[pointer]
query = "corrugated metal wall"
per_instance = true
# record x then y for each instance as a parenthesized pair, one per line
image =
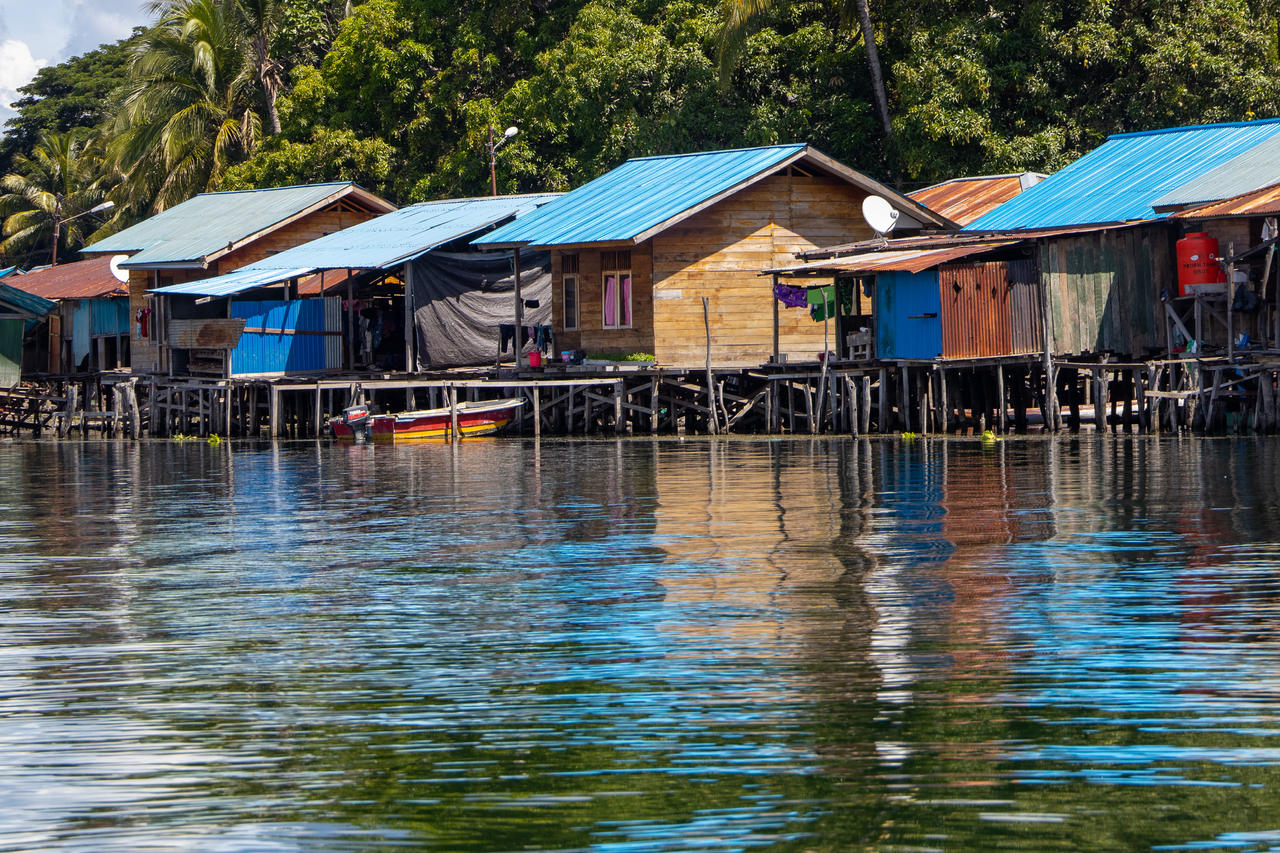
(907, 315)
(975, 310)
(10, 352)
(111, 316)
(1026, 310)
(1104, 288)
(287, 337)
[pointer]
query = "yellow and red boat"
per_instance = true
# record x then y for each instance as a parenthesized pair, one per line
(478, 418)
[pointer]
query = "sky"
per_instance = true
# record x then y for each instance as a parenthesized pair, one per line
(35, 33)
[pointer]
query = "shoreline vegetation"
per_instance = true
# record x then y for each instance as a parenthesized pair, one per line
(400, 95)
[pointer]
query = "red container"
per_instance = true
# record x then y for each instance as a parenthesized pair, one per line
(535, 358)
(1198, 267)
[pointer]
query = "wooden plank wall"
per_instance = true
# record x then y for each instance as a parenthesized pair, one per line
(719, 253)
(1104, 289)
(591, 335)
(145, 353)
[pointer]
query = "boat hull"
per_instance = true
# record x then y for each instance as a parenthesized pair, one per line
(473, 419)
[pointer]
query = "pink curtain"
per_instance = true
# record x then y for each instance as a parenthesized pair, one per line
(626, 299)
(610, 300)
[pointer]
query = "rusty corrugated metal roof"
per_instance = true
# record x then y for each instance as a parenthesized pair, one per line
(963, 200)
(91, 279)
(1262, 202)
(910, 260)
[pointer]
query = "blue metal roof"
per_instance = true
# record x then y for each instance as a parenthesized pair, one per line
(1256, 168)
(234, 282)
(404, 234)
(9, 271)
(639, 195)
(210, 222)
(1121, 179)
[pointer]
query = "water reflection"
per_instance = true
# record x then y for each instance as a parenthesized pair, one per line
(641, 645)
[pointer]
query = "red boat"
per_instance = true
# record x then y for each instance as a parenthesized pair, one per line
(483, 418)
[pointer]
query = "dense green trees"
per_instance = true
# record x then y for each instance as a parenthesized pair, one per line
(399, 95)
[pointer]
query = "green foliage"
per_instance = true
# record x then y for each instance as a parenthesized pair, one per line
(54, 187)
(330, 155)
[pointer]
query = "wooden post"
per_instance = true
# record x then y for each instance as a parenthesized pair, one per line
(883, 424)
(712, 418)
(410, 356)
(1231, 296)
(537, 412)
(273, 410)
(352, 331)
(519, 313)
(904, 405)
(653, 403)
(851, 392)
(617, 407)
(776, 349)
(1000, 401)
(453, 414)
(318, 412)
(866, 405)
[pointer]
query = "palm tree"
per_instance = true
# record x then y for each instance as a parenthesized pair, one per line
(258, 20)
(186, 112)
(47, 193)
(740, 14)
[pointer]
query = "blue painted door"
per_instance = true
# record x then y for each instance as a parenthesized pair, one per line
(908, 306)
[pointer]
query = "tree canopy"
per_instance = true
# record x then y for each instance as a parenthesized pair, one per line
(400, 95)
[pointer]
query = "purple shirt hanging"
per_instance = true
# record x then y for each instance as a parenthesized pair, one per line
(792, 297)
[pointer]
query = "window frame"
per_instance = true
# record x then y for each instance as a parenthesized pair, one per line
(618, 265)
(569, 274)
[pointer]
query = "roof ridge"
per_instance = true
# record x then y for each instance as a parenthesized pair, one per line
(1187, 127)
(287, 187)
(779, 147)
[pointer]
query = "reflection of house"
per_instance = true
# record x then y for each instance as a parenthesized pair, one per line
(458, 296)
(23, 335)
(636, 251)
(90, 330)
(213, 234)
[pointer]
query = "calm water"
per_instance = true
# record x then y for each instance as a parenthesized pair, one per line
(633, 646)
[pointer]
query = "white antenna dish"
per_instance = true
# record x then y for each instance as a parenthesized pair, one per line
(879, 214)
(120, 274)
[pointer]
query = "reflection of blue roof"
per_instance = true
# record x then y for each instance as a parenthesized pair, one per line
(1120, 180)
(648, 193)
(211, 223)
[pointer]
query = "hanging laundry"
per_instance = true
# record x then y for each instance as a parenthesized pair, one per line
(792, 297)
(822, 302)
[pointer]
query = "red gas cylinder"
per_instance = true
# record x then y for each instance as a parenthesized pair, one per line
(1198, 267)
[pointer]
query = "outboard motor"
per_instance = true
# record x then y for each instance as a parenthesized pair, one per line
(357, 417)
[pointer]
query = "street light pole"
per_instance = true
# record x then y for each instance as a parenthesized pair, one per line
(58, 220)
(493, 155)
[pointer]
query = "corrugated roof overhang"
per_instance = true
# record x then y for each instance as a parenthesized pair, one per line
(912, 260)
(233, 282)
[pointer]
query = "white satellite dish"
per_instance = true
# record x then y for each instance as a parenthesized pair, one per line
(879, 214)
(120, 274)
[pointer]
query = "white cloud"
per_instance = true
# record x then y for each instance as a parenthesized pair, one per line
(17, 67)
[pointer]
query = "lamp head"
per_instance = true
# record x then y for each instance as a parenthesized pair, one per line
(510, 132)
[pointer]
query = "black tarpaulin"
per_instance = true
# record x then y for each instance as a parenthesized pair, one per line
(460, 298)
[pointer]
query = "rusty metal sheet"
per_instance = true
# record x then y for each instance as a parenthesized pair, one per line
(216, 333)
(911, 261)
(1262, 202)
(966, 199)
(1026, 307)
(975, 310)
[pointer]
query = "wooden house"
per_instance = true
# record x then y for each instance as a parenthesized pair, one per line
(414, 292)
(211, 235)
(90, 330)
(1082, 263)
(663, 255)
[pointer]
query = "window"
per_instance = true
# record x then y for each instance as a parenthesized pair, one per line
(615, 278)
(569, 271)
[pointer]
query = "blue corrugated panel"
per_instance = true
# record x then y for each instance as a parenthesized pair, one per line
(110, 316)
(1254, 169)
(639, 195)
(25, 303)
(275, 350)
(1120, 180)
(404, 234)
(209, 222)
(908, 309)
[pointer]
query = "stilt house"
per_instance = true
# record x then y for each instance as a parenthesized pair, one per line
(661, 256)
(212, 234)
(90, 328)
